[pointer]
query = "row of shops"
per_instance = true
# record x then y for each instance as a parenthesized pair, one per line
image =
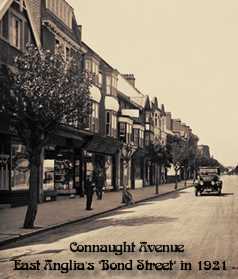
(66, 162)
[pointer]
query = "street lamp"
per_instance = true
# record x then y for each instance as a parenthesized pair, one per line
(127, 151)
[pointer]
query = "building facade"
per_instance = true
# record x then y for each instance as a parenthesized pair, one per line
(122, 116)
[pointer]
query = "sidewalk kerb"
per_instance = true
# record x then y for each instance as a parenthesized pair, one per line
(56, 226)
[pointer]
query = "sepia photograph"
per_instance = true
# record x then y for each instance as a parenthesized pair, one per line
(118, 140)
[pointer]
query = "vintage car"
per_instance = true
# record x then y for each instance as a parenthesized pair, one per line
(208, 180)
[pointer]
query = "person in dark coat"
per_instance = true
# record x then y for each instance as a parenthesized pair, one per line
(99, 182)
(89, 190)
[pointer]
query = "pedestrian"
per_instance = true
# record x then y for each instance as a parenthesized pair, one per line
(99, 183)
(89, 190)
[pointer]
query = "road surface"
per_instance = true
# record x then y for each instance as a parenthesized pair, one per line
(170, 237)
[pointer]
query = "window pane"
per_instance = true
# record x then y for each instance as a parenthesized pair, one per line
(5, 27)
(16, 32)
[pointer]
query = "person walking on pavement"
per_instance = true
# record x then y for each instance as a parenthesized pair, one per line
(89, 190)
(99, 181)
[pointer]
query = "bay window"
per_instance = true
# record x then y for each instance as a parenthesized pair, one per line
(111, 124)
(108, 85)
(122, 132)
(94, 118)
(111, 84)
(100, 81)
(136, 136)
(88, 65)
(125, 132)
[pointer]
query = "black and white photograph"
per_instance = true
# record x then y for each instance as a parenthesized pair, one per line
(118, 139)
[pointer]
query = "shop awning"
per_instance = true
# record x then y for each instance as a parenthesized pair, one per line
(95, 94)
(111, 103)
(70, 137)
(103, 145)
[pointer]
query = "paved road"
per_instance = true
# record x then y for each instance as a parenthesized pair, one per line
(206, 226)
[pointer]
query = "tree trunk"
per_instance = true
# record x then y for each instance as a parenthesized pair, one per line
(185, 177)
(176, 179)
(156, 179)
(33, 190)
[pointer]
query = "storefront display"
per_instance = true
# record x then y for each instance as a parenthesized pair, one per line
(48, 175)
(20, 173)
(64, 176)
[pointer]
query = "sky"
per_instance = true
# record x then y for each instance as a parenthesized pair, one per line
(185, 52)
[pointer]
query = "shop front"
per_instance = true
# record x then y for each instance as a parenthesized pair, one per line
(61, 171)
(104, 153)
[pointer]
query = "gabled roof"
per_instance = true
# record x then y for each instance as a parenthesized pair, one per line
(163, 109)
(4, 6)
(147, 103)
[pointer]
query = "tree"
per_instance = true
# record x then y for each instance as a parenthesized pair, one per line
(190, 152)
(45, 92)
(179, 155)
(160, 155)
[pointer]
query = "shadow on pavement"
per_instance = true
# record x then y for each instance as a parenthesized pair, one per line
(94, 223)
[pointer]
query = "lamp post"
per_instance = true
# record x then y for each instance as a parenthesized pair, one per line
(127, 151)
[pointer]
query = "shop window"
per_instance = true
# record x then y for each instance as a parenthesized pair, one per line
(20, 174)
(63, 176)
(48, 175)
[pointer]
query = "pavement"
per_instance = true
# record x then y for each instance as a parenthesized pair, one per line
(206, 227)
(64, 211)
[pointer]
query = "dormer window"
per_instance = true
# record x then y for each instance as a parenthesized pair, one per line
(62, 10)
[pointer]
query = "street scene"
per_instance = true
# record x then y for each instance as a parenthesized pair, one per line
(206, 226)
(118, 147)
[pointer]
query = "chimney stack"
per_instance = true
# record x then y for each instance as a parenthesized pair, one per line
(130, 78)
